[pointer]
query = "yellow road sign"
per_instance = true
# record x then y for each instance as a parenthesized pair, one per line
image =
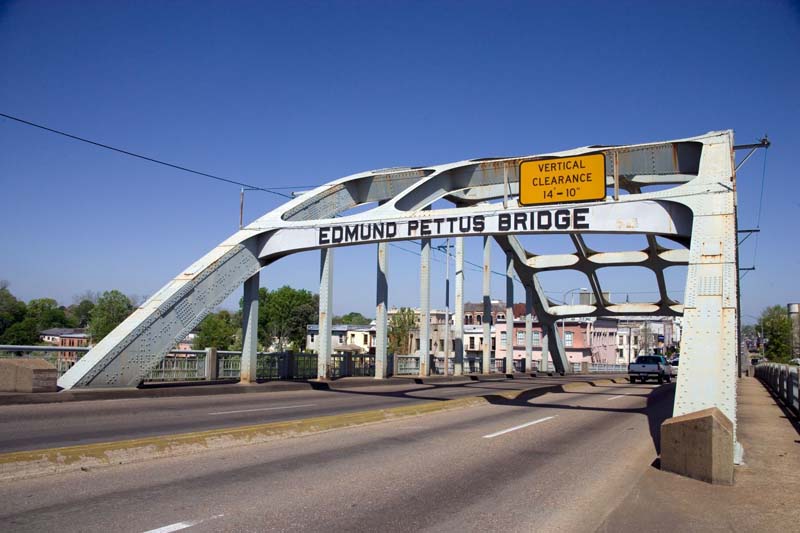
(562, 180)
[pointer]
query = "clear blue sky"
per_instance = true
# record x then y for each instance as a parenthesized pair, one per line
(298, 93)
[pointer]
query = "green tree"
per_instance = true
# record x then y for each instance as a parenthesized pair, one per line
(400, 327)
(112, 308)
(25, 332)
(47, 314)
(287, 311)
(305, 314)
(353, 318)
(217, 330)
(81, 312)
(11, 309)
(777, 332)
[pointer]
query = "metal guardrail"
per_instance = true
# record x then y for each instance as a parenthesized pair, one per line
(784, 382)
(607, 368)
(192, 365)
(406, 365)
(184, 365)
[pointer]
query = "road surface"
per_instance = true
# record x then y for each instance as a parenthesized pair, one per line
(559, 462)
(37, 426)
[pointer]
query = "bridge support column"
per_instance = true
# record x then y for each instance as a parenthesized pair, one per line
(458, 314)
(528, 328)
(381, 320)
(545, 342)
(509, 313)
(555, 348)
(425, 307)
(249, 365)
(487, 306)
(324, 347)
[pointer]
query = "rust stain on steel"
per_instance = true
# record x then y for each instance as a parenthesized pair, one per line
(627, 223)
(675, 157)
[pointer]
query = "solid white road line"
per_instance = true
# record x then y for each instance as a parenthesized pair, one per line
(615, 397)
(177, 526)
(509, 430)
(263, 409)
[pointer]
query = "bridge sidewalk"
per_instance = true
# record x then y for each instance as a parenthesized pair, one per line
(763, 498)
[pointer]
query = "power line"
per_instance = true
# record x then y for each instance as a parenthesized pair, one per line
(271, 190)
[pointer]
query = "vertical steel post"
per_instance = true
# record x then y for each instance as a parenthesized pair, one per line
(212, 365)
(324, 347)
(447, 309)
(545, 341)
(425, 306)
(381, 320)
(487, 305)
(249, 362)
(509, 313)
(528, 328)
(458, 317)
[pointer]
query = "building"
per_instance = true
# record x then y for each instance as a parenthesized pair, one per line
(345, 338)
(602, 340)
(187, 343)
(647, 335)
(585, 340)
(473, 312)
(66, 337)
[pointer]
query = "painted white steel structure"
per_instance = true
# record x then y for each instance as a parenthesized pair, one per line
(693, 207)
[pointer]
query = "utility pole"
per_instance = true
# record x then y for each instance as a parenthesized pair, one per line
(241, 204)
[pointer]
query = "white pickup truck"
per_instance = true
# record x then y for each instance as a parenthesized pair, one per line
(650, 366)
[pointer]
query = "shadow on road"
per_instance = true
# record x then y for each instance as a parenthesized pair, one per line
(659, 406)
(537, 385)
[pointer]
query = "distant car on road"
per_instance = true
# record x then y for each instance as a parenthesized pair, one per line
(674, 364)
(649, 367)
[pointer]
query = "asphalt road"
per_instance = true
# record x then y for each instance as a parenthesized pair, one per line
(559, 462)
(38, 426)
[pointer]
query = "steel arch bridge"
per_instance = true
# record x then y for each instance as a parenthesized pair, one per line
(693, 205)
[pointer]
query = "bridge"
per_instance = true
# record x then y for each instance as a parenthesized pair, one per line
(680, 195)
(692, 204)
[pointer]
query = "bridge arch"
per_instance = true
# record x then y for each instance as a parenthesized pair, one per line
(680, 191)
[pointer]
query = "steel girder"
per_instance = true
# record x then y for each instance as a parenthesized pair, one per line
(697, 211)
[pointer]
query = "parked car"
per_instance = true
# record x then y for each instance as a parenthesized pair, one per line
(650, 367)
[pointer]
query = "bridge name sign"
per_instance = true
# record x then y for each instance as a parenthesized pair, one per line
(505, 222)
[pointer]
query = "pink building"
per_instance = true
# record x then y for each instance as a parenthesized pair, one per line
(587, 340)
